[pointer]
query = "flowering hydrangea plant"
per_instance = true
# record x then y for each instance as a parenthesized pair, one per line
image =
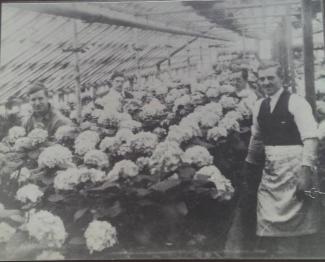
(100, 235)
(132, 125)
(111, 118)
(29, 193)
(65, 132)
(228, 102)
(143, 163)
(125, 168)
(94, 175)
(67, 179)
(216, 133)
(144, 143)
(213, 92)
(166, 158)
(223, 185)
(199, 87)
(16, 132)
(184, 101)
(46, 228)
(50, 255)
(173, 94)
(227, 89)
(229, 124)
(96, 158)
(55, 156)
(152, 110)
(198, 156)
(180, 133)
(23, 143)
(86, 141)
(38, 136)
(6, 232)
(234, 115)
(22, 175)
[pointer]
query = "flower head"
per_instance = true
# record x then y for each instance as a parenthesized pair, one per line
(38, 136)
(96, 158)
(16, 132)
(6, 232)
(29, 193)
(55, 156)
(100, 235)
(46, 227)
(198, 156)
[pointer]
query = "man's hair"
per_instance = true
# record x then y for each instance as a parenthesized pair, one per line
(36, 87)
(12, 101)
(272, 65)
(117, 74)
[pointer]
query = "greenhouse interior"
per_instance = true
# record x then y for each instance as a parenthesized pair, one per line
(126, 127)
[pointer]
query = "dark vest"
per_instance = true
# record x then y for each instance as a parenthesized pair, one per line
(278, 127)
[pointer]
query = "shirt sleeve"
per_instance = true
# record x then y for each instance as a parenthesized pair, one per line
(307, 126)
(255, 154)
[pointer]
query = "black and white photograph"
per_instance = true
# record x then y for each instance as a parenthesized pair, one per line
(162, 130)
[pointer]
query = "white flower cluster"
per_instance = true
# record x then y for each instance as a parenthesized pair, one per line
(198, 156)
(174, 94)
(22, 144)
(184, 101)
(50, 255)
(67, 179)
(16, 132)
(6, 232)
(143, 163)
(198, 98)
(87, 110)
(179, 134)
(213, 92)
(93, 175)
(86, 141)
(153, 110)
(22, 175)
(119, 145)
(100, 235)
(132, 125)
(64, 132)
(199, 87)
(96, 113)
(97, 158)
(166, 158)
(38, 136)
(209, 114)
(55, 156)
(125, 168)
(226, 89)
(144, 143)
(228, 102)
(234, 115)
(216, 133)
(223, 185)
(230, 124)
(29, 193)
(46, 228)
(111, 118)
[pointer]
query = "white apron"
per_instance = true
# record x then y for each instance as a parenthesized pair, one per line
(279, 212)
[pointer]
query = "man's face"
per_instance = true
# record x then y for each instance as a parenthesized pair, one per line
(118, 83)
(269, 81)
(39, 101)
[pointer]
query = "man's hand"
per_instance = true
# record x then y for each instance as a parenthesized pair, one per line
(305, 181)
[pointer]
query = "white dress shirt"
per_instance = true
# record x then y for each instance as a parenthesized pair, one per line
(304, 119)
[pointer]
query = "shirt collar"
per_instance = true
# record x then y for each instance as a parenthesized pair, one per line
(276, 95)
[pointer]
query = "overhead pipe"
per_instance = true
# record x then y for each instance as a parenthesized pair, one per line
(93, 14)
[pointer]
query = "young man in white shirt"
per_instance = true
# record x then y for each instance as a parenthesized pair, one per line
(285, 129)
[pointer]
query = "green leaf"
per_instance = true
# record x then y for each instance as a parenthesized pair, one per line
(107, 184)
(142, 191)
(55, 198)
(113, 211)
(182, 208)
(165, 185)
(79, 214)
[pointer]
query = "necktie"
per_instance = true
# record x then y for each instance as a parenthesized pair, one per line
(268, 105)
